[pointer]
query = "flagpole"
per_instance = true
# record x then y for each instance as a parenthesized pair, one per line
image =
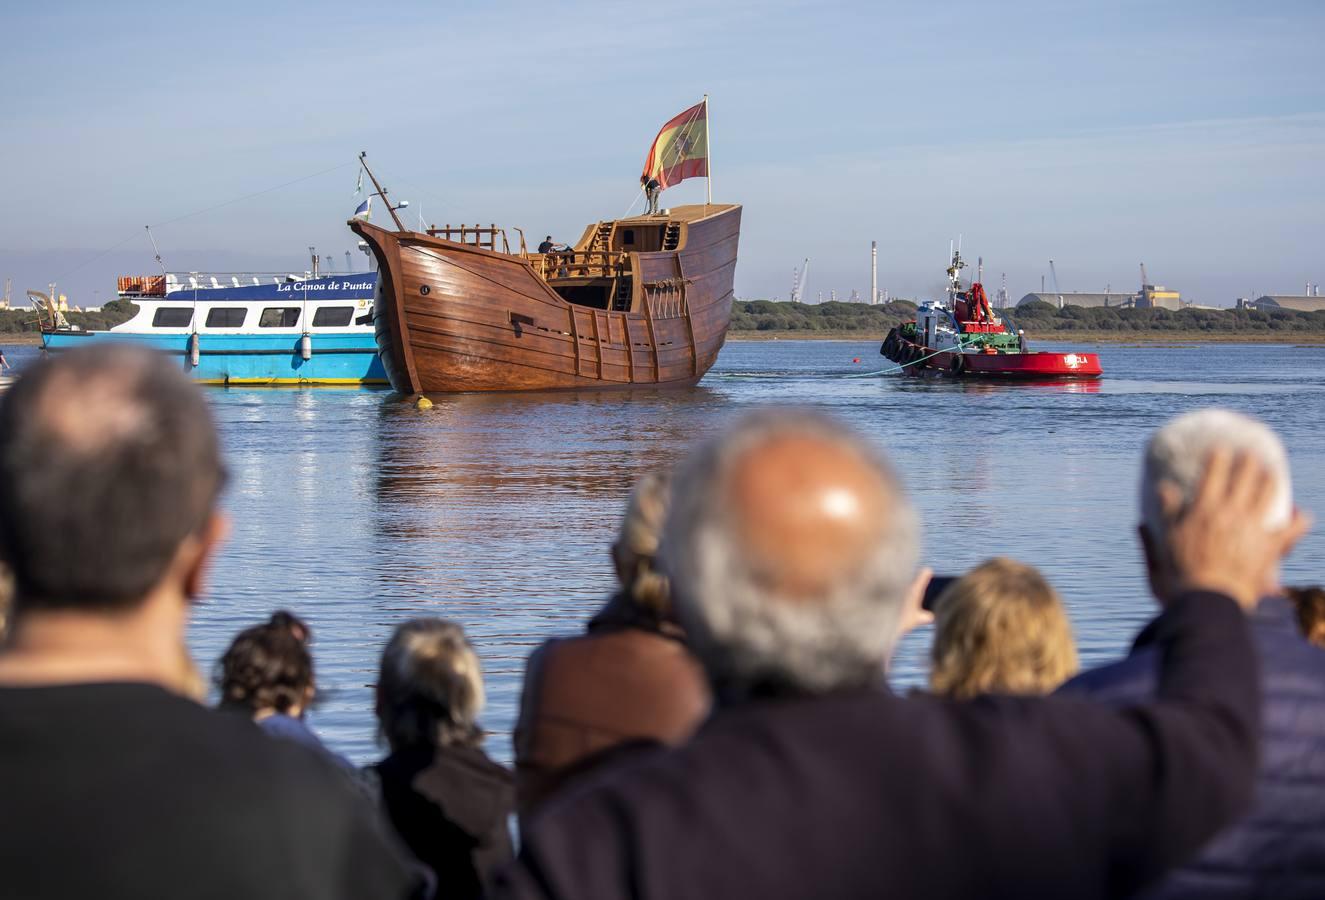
(708, 151)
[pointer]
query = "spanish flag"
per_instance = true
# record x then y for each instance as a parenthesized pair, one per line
(681, 149)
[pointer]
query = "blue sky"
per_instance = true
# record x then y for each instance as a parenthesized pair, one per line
(1188, 135)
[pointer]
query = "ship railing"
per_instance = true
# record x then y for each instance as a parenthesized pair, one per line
(581, 264)
(666, 298)
(161, 285)
(484, 237)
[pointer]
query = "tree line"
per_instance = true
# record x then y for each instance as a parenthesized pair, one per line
(1036, 317)
(115, 312)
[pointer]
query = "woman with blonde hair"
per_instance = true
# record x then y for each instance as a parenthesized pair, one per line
(1000, 629)
(629, 682)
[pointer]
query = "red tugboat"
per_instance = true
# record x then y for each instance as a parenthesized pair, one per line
(964, 338)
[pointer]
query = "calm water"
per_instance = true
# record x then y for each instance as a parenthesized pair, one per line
(356, 511)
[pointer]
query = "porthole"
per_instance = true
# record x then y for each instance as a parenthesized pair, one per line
(425, 290)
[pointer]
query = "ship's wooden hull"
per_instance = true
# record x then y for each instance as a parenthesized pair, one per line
(456, 317)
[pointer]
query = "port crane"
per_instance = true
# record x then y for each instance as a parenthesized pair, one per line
(798, 281)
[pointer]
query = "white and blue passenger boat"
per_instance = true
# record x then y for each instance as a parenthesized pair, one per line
(250, 329)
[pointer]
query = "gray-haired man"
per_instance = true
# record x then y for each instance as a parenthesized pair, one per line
(793, 552)
(1278, 848)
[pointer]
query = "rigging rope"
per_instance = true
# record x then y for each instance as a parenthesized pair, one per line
(902, 367)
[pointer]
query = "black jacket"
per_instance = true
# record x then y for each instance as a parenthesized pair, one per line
(451, 806)
(1278, 849)
(869, 794)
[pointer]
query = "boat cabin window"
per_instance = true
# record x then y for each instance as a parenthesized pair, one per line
(628, 236)
(226, 317)
(333, 316)
(279, 317)
(172, 317)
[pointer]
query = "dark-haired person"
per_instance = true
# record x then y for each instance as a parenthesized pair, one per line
(267, 674)
(446, 798)
(112, 784)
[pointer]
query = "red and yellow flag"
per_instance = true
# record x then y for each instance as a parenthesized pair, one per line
(681, 149)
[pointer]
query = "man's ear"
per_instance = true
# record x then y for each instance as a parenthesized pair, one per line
(206, 542)
(1156, 567)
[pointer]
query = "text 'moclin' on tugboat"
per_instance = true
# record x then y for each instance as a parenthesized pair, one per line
(963, 337)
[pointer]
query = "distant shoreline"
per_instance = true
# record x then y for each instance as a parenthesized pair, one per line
(1075, 337)
(33, 339)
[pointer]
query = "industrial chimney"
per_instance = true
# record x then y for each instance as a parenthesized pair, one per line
(874, 272)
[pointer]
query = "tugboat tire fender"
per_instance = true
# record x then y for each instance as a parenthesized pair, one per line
(957, 366)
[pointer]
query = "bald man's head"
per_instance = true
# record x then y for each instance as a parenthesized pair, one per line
(108, 461)
(791, 547)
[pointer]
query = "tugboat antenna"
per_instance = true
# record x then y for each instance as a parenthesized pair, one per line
(363, 160)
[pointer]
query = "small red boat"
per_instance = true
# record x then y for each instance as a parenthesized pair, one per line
(965, 338)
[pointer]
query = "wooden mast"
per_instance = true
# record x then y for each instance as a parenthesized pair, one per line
(363, 161)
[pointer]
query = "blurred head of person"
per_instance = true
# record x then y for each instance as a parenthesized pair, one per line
(1000, 629)
(1175, 460)
(110, 471)
(1309, 603)
(268, 669)
(429, 688)
(792, 551)
(635, 551)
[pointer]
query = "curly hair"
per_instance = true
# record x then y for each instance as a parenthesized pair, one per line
(268, 666)
(1000, 629)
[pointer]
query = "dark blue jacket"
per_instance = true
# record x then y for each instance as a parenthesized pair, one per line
(865, 794)
(1278, 849)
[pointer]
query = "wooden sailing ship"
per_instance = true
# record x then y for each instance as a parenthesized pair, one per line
(640, 301)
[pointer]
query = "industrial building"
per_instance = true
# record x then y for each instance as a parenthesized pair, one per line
(1299, 302)
(1156, 296)
(1151, 296)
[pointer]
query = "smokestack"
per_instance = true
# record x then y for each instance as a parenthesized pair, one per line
(874, 272)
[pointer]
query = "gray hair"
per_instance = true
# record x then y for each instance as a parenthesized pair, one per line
(1178, 453)
(430, 687)
(748, 637)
